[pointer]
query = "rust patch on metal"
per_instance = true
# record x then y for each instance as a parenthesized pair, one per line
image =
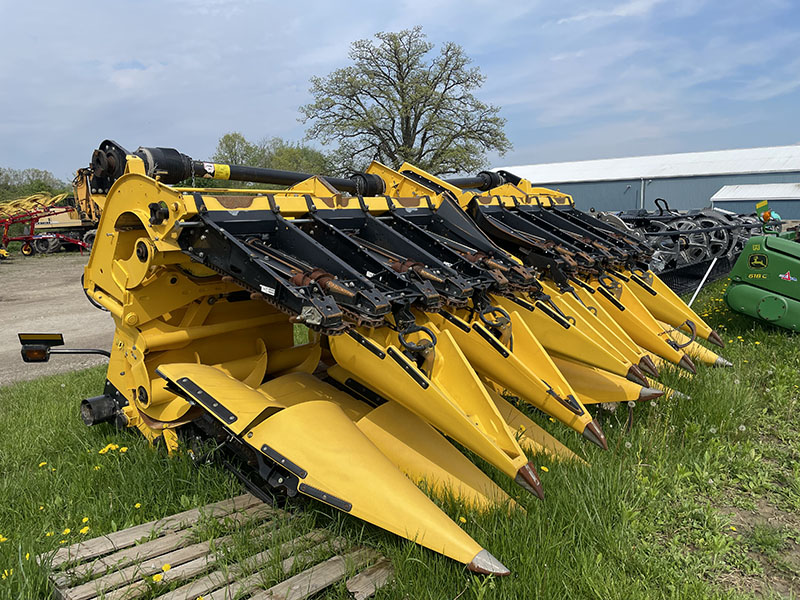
(409, 202)
(235, 202)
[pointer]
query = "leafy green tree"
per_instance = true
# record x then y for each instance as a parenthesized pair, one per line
(294, 156)
(272, 153)
(233, 148)
(18, 183)
(396, 104)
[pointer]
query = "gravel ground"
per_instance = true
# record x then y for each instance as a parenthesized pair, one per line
(43, 294)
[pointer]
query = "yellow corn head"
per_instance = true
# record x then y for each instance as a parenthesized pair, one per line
(427, 304)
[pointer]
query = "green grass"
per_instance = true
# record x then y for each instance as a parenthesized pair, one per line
(649, 519)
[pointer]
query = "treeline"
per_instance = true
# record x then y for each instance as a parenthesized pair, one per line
(271, 153)
(18, 183)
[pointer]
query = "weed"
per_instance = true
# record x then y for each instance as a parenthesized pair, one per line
(645, 521)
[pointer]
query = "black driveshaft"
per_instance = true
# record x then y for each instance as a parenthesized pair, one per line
(362, 184)
(171, 166)
(485, 180)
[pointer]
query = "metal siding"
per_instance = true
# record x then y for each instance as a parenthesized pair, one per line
(688, 164)
(787, 209)
(758, 191)
(603, 195)
(681, 193)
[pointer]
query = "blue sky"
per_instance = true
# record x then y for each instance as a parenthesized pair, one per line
(576, 80)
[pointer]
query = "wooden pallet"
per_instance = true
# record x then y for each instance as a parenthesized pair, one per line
(132, 563)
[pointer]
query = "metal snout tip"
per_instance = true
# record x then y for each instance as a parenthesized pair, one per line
(687, 364)
(714, 338)
(647, 393)
(594, 434)
(528, 478)
(647, 365)
(722, 362)
(636, 376)
(486, 564)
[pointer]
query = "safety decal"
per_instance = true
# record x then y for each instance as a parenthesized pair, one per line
(787, 276)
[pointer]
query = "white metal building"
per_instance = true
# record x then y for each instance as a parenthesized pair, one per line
(686, 180)
(782, 197)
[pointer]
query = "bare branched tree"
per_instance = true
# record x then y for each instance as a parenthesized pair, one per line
(395, 104)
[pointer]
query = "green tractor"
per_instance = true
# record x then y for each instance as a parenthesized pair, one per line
(765, 281)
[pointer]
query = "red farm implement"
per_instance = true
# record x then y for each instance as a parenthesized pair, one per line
(28, 212)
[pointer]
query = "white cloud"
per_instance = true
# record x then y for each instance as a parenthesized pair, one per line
(632, 8)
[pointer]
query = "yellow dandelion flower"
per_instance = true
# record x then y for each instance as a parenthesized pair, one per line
(114, 446)
(41, 507)
(53, 469)
(157, 577)
(462, 519)
(545, 469)
(552, 420)
(3, 539)
(97, 467)
(49, 534)
(66, 531)
(733, 528)
(27, 556)
(43, 464)
(85, 530)
(137, 505)
(757, 343)
(123, 449)
(166, 567)
(63, 542)
(85, 520)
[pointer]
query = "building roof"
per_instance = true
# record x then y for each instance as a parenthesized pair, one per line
(760, 191)
(775, 159)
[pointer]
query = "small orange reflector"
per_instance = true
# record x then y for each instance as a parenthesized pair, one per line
(38, 353)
